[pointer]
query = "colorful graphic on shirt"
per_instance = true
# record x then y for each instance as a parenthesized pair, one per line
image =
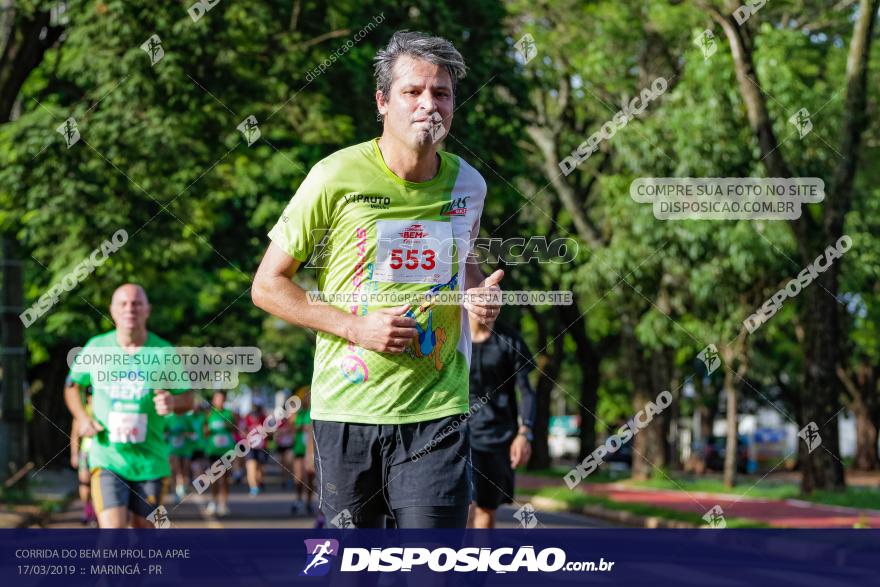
(430, 340)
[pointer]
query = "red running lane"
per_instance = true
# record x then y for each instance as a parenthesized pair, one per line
(777, 513)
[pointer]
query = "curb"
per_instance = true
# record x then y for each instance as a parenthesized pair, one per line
(617, 516)
(18, 520)
(802, 503)
(31, 515)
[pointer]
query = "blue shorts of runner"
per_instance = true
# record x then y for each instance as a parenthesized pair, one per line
(493, 477)
(417, 474)
(109, 490)
(261, 455)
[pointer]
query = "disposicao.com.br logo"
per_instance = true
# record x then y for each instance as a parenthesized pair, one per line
(318, 552)
(442, 559)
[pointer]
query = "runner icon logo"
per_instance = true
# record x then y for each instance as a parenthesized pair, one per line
(159, 517)
(710, 358)
(250, 129)
(802, 122)
(437, 130)
(810, 435)
(318, 551)
(69, 131)
(526, 516)
(153, 48)
(706, 43)
(715, 518)
(343, 519)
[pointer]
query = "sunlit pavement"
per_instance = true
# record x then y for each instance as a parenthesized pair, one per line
(272, 509)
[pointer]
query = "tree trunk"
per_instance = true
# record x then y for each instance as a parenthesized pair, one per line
(866, 439)
(732, 429)
(50, 428)
(13, 446)
(656, 431)
(24, 39)
(641, 382)
(588, 359)
(708, 411)
(865, 405)
(822, 468)
(549, 363)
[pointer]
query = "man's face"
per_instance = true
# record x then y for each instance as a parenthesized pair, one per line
(418, 108)
(130, 308)
(217, 400)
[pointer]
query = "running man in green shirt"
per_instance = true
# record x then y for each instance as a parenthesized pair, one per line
(303, 475)
(128, 455)
(219, 438)
(177, 431)
(394, 216)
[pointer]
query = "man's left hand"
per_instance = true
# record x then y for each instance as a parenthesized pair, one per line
(520, 451)
(485, 310)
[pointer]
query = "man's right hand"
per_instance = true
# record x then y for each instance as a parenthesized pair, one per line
(89, 427)
(385, 331)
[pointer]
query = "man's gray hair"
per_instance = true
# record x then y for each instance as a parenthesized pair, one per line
(435, 50)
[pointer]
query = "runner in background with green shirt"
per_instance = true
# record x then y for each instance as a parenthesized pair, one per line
(177, 433)
(397, 216)
(303, 476)
(128, 453)
(198, 443)
(219, 429)
(284, 441)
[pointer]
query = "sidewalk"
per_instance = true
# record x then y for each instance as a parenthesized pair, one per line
(789, 513)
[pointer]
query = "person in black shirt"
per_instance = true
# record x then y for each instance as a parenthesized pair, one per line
(500, 438)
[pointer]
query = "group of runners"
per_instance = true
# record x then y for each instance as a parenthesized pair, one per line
(414, 420)
(192, 441)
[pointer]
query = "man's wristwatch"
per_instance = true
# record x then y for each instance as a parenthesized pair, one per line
(527, 432)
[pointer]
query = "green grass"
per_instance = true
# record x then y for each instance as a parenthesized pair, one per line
(575, 501)
(24, 496)
(767, 490)
(15, 496)
(855, 497)
(600, 476)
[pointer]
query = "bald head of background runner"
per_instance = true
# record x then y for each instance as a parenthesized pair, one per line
(130, 310)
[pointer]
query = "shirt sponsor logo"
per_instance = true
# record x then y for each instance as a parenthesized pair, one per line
(413, 231)
(457, 207)
(374, 201)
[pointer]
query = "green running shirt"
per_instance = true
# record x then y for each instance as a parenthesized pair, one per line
(177, 431)
(133, 443)
(221, 424)
(378, 234)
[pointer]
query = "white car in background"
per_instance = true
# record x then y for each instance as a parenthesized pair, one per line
(564, 437)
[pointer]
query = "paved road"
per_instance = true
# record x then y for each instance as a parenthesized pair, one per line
(272, 509)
